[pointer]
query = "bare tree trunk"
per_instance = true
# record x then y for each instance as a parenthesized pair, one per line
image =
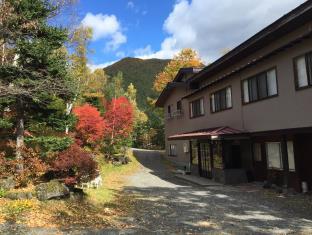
(20, 132)
(69, 107)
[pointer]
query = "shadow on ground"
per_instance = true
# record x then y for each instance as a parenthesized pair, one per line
(164, 204)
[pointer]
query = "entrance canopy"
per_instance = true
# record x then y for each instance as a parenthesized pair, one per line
(211, 133)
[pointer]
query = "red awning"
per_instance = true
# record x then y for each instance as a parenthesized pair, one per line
(206, 133)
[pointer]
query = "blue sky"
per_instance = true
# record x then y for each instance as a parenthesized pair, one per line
(160, 28)
(141, 22)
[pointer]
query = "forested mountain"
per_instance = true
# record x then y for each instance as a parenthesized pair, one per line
(141, 73)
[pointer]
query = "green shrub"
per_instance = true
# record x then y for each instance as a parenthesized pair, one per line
(5, 123)
(2, 192)
(49, 144)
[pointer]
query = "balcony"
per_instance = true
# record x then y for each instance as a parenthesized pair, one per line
(175, 114)
(178, 113)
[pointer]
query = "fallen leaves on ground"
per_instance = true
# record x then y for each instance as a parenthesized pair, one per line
(93, 211)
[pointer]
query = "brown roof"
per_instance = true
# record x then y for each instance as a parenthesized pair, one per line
(252, 63)
(206, 133)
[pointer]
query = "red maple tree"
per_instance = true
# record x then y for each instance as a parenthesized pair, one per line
(90, 125)
(118, 119)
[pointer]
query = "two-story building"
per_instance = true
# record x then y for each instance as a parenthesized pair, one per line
(248, 115)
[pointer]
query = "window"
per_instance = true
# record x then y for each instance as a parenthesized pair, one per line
(257, 152)
(197, 108)
(303, 70)
(290, 153)
(274, 155)
(259, 87)
(172, 150)
(221, 100)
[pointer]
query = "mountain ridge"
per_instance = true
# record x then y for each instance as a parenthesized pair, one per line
(140, 72)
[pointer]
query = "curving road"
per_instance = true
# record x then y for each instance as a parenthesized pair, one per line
(166, 205)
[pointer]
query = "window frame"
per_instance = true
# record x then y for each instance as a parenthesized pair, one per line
(219, 92)
(170, 150)
(267, 88)
(191, 111)
(293, 156)
(297, 88)
(281, 168)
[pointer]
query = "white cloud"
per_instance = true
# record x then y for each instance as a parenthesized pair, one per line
(167, 50)
(105, 27)
(130, 4)
(120, 54)
(93, 67)
(117, 39)
(210, 26)
(143, 51)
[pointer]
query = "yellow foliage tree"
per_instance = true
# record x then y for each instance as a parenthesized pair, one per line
(80, 40)
(139, 116)
(185, 58)
(95, 84)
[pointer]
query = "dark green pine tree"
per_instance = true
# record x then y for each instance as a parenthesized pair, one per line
(38, 74)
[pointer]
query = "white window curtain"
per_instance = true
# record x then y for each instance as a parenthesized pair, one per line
(228, 97)
(186, 147)
(271, 81)
(202, 106)
(213, 105)
(274, 155)
(246, 91)
(172, 150)
(302, 77)
(290, 153)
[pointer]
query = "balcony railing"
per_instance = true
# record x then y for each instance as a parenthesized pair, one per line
(169, 116)
(177, 113)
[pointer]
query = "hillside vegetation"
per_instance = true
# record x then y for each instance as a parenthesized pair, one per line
(141, 73)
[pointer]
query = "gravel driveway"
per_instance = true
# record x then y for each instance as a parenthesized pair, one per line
(166, 204)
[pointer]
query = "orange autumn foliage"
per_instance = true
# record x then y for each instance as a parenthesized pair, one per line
(186, 58)
(90, 126)
(118, 119)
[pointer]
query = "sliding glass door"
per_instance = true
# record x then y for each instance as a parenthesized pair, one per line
(205, 160)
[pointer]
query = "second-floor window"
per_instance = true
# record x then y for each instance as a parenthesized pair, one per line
(259, 87)
(197, 108)
(303, 70)
(221, 100)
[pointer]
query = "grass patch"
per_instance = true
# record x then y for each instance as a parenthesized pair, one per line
(113, 179)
